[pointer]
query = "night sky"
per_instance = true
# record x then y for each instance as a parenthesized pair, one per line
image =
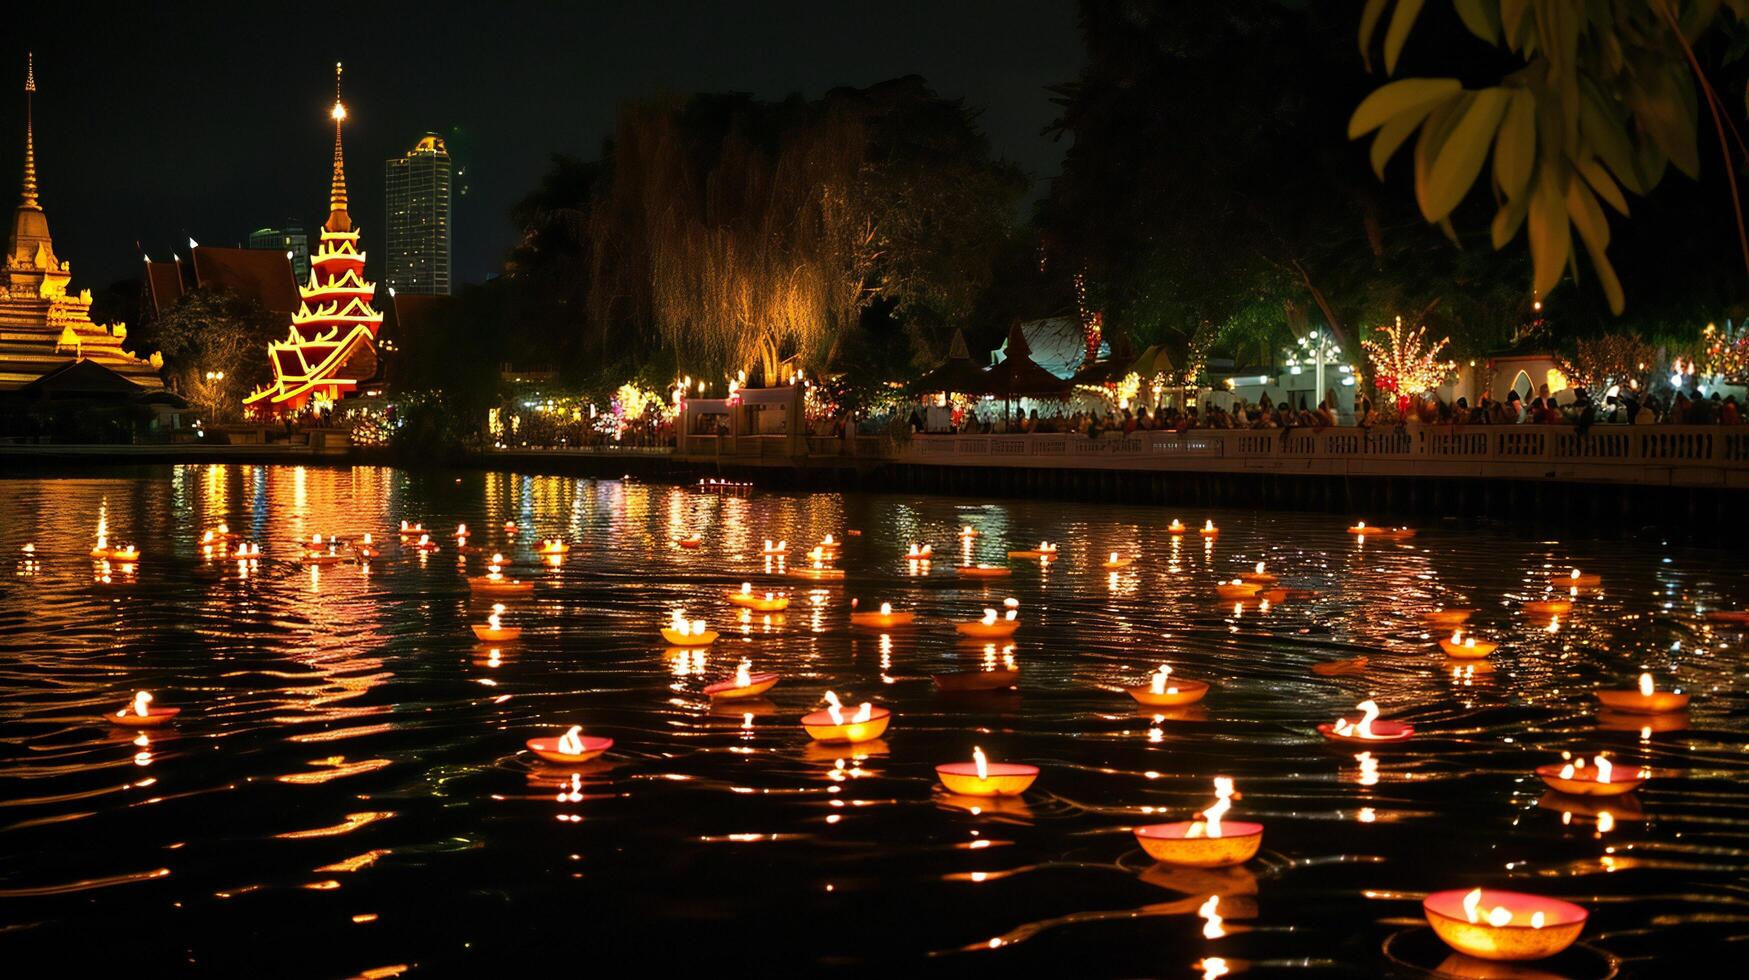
(155, 122)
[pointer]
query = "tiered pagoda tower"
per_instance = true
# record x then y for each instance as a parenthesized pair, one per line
(331, 349)
(43, 328)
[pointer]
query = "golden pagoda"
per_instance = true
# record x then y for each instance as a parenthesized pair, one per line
(331, 349)
(42, 326)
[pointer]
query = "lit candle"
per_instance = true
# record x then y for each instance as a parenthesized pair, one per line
(919, 552)
(1162, 691)
(982, 570)
(1461, 647)
(1116, 561)
(887, 618)
(1257, 576)
(775, 548)
(1368, 729)
(745, 684)
(554, 546)
(1237, 589)
(493, 629)
(830, 725)
(1645, 700)
(994, 625)
(1209, 842)
(1209, 530)
(746, 598)
(682, 633)
(1598, 779)
(981, 777)
(140, 713)
(690, 541)
(570, 748)
(1176, 527)
(1500, 925)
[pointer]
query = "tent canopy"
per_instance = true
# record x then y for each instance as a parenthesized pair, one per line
(958, 373)
(1019, 374)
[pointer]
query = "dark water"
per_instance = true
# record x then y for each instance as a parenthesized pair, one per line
(345, 790)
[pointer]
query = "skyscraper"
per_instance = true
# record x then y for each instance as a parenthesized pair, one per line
(289, 239)
(417, 192)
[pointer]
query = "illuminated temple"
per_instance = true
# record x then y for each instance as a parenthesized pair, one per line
(43, 328)
(331, 348)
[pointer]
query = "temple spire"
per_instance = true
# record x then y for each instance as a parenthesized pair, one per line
(338, 219)
(27, 198)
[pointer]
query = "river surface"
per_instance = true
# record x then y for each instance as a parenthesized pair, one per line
(346, 791)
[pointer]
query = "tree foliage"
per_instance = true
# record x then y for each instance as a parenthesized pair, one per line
(214, 344)
(1605, 101)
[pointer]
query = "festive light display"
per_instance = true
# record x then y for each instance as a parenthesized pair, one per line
(1604, 362)
(1725, 353)
(1404, 364)
(331, 348)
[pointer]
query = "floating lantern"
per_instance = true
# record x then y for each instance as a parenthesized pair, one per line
(1368, 730)
(993, 626)
(1576, 579)
(985, 571)
(126, 552)
(493, 630)
(1499, 925)
(1600, 778)
(571, 747)
(141, 714)
(1448, 617)
(365, 549)
(509, 527)
(1237, 589)
(968, 532)
(1361, 529)
(830, 725)
(1461, 647)
(748, 599)
(461, 532)
(1115, 561)
(919, 552)
(495, 582)
(1548, 607)
(743, 685)
(329, 557)
(688, 634)
(1280, 595)
(28, 549)
(690, 541)
(411, 530)
(1176, 527)
(1257, 576)
(1163, 692)
(886, 618)
(775, 548)
(1646, 700)
(1335, 668)
(554, 546)
(1208, 529)
(425, 544)
(1045, 550)
(980, 777)
(1206, 843)
(828, 544)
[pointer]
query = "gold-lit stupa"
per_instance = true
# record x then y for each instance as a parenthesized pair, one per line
(43, 328)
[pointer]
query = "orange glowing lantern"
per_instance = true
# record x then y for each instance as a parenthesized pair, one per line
(510, 527)
(570, 748)
(1600, 778)
(1368, 730)
(461, 533)
(886, 618)
(682, 633)
(1115, 561)
(1237, 589)
(743, 685)
(690, 541)
(981, 777)
(495, 582)
(1162, 691)
(748, 599)
(1516, 927)
(554, 546)
(993, 626)
(1206, 843)
(1208, 529)
(493, 629)
(1461, 647)
(830, 725)
(968, 532)
(426, 544)
(775, 547)
(140, 713)
(412, 530)
(1176, 527)
(1045, 550)
(1548, 607)
(1576, 579)
(125, 553)
(1448, 617)
(985, 571)
(1646, 700)
(1257, 576)
(366, 548)
(919, 552)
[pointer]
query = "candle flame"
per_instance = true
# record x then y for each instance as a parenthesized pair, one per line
(141, 700)
(1212, 928)
(886, 609)
(569, 743)
(864, 712)
(835, 708)
(1604, 769)
(1500, 916)
(1157, 684)
(1213, 968)
(743, 674)
(1645, 685)
(1113, 558)
(1260, 568)
(1370, 713)
(982, 763)
(1208, 525)
(746, 588)
(1536, 918)
(1210, 824)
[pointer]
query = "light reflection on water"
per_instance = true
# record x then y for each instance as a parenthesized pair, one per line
(348, 764)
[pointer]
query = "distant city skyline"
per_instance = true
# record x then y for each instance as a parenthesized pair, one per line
(416, 219)
(290, 238)
(217, 144)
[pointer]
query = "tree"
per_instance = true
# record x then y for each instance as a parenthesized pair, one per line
(215, 349)
(1605, 102)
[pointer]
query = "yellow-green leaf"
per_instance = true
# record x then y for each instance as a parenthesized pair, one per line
(1606, 136)
(1551, 241)
(1482, 17)
(1507, 221)
(1432, 138)
(1511, 16)
(1593, 228)
(1394, 98)
(1460, 158)
(1515, 147)
(1600, 182)
(1402, 21)
(1369, 23)
(1385, 144)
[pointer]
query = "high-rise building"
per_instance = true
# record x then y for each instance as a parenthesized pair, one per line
(331, 349)
(416, 188)
(291, 240)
